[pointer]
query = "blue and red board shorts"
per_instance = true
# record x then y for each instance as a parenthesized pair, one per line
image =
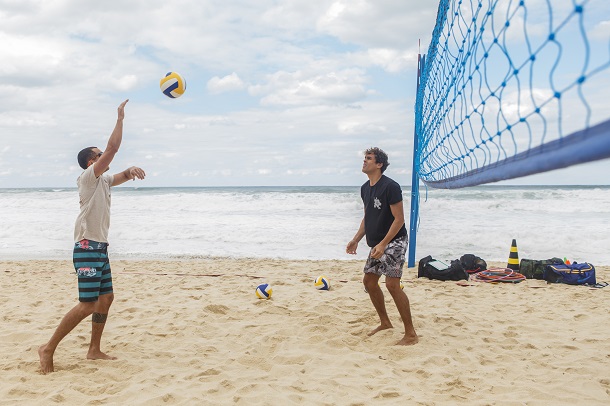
(92, 266)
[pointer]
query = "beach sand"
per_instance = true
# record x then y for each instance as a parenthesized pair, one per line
(193, 332)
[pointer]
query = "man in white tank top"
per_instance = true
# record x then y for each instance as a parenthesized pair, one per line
(91, 245)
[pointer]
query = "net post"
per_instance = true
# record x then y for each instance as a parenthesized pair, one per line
(414, 213)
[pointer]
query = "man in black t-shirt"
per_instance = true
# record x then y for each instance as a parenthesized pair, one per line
(384, 227)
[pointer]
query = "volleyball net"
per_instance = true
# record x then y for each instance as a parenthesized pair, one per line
(512, 88)
(509, 89)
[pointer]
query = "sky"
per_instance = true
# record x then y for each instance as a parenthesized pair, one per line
(279, 92)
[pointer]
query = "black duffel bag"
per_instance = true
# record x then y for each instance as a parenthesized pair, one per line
(433, 269)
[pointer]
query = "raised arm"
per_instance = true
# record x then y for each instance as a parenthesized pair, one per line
(128, 174)
(114, 142)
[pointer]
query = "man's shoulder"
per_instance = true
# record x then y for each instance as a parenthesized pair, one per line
(88, 179)
(389, 181)
(85, 176)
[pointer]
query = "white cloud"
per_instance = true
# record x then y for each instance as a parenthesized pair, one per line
(227, 83)
(356, 127)
(312, 88)
(324, 80)
(601, 31)
(124, 83)
(26, 119)
(379, 23)
(193, 174)
(392, 60)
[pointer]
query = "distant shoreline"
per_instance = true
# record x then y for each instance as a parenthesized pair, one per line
(288, 187)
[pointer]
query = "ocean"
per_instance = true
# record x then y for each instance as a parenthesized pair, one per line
(312, 222)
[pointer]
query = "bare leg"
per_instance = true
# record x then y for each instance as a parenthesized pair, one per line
(404, 308)
(77, 314)
(371, 284)
(98, 322)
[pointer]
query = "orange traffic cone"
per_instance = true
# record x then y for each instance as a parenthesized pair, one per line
(513, 257)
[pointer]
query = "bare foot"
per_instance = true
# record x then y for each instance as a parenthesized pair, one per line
(99, 355)
(381, 327)
(408, 340)
(46, 359)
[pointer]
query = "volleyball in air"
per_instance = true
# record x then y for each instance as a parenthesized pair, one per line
(322, 283)
(173, 85)
(264, 291)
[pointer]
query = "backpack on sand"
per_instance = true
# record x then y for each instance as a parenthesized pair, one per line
(534, 269)
(431, 268)
(473, 264)
(573, 274)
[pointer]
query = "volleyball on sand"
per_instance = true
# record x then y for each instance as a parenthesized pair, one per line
(322, 283)
(264, 291)
(173, 85)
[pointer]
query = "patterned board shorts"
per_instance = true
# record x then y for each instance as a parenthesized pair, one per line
(92, 266)
(391, 262)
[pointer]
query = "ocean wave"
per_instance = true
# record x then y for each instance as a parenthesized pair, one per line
(312, 223)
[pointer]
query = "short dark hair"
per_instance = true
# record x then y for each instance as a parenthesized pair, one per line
(380, 157)
(85, 156)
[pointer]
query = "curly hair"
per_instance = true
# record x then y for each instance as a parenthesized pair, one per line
(380, 157)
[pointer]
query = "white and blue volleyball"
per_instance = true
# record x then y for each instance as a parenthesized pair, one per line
(173, 85)
(322, 283)
(264, 291)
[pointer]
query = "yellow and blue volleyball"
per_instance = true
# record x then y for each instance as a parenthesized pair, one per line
(322, 283)
(173, 85)
(264, 291)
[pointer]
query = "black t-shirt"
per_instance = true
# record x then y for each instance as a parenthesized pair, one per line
(378, 216)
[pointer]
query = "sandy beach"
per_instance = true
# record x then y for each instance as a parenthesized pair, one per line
(193, 332)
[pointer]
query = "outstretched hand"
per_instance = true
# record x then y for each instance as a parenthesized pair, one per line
(121, 110)
(135, 172)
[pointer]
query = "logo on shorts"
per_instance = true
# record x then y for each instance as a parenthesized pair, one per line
(84, 245)
(87, 272)
(377, 204)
